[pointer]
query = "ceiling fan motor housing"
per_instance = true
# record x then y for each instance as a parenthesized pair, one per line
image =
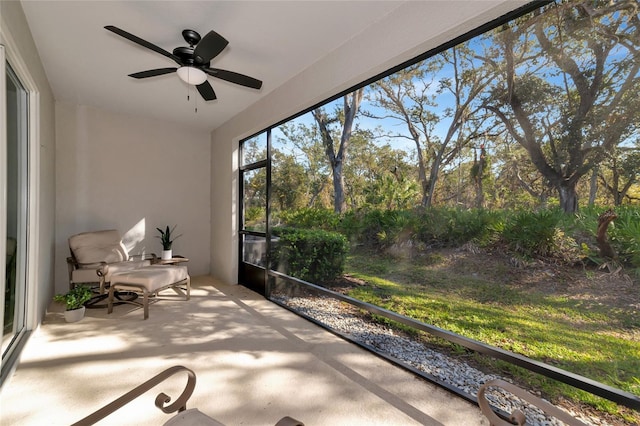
(186, 56)
(191, 37)
(186, 53)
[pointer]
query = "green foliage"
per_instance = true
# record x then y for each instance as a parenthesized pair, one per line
(532, 233)
(255, 218)
(312, 255)
(390, 192)
(624, 233)
(166, 237)
(452, 227)
(254, 150)
(351, 225)
(590, 339)
(582, 226)
(75, 298)
(289, 182)
(380, 229)
(620, 171)
(480, 303)
(542, 233)
(311, 218)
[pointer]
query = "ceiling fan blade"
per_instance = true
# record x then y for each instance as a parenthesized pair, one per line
(142, 42)
(234, 77)
(152, 73)
(209, 47)
(206, 91)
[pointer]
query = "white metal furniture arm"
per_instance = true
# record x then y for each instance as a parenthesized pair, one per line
(161, 400)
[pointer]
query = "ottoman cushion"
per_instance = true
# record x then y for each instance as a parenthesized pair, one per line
(150, 277)
(150, 280)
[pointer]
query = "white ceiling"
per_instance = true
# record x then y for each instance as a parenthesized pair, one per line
(270, 40)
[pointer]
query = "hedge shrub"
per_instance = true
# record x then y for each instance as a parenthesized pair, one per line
(452, 227)
(311, 218)
(532, 233)
(312, 255)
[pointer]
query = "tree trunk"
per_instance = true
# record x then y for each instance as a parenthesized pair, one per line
(568, 198)
(336, 158)
(479, 177)
(422, 177)
(431, 183)
(338, 188)
(604, 220)
(593, 186)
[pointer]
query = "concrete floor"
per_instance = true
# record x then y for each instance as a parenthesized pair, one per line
(255, 363)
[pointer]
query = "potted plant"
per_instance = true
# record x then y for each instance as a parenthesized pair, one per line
(74, 302)
(167, 239)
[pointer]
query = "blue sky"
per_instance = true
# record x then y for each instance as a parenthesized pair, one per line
(390, 125)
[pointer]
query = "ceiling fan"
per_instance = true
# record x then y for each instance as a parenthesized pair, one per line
(193, 61)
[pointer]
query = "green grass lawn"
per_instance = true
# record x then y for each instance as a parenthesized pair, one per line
(577, 333)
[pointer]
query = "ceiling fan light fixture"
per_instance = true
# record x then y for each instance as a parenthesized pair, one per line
(191, 75)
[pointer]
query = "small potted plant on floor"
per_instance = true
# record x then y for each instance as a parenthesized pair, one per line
(167, 239)
(74, 302)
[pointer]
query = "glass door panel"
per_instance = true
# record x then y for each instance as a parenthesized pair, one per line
(254, 250)
(254, 187)
(13, 321)
(255, 200)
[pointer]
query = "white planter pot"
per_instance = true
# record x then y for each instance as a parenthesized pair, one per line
(167, 254)
(74, 315)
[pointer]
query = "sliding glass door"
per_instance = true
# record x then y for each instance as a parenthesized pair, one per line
(16, 178)
(254, 184)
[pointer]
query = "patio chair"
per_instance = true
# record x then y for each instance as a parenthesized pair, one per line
(184, 417)
(96, 256)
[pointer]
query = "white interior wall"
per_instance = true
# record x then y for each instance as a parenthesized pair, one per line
(224, 202)
(132, 174)
(410, 30)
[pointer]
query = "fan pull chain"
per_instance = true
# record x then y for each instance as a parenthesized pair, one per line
(189, 92)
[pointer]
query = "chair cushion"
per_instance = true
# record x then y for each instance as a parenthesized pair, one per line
(98, 246)
(150, 277)
(192, 417)
(84, 276)
(89, 275)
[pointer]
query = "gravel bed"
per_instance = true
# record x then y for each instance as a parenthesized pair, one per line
(454, 372)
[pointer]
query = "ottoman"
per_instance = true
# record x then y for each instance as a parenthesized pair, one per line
(149, 280)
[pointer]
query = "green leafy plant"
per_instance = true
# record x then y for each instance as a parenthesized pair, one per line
(166, 237)
(312, 255)
(452, 227)
(532, 233)
(311, 218)
(75, 298)
(624, 233)
(380, 229)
